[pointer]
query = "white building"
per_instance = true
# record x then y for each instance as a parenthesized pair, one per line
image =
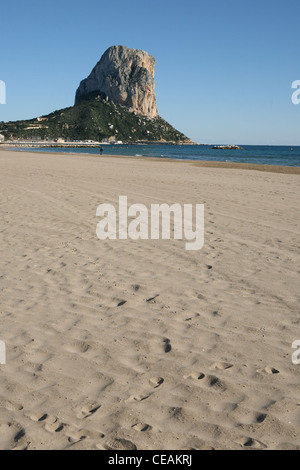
(1, 138)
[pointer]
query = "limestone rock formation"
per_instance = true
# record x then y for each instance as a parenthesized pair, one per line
(124, 76)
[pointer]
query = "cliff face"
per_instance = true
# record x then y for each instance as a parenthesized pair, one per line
(126, 77)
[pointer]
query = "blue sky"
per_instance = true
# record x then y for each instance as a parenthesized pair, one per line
(224, 68)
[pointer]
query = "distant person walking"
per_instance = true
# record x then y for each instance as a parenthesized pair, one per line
(101, 150)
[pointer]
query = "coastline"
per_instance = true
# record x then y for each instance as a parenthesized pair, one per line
(122, 344)
(198, 163)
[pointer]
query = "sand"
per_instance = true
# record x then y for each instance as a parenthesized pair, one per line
(123, 344)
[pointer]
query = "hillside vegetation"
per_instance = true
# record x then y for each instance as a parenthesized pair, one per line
(94, 118)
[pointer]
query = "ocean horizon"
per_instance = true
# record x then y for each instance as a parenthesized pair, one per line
(253, 154)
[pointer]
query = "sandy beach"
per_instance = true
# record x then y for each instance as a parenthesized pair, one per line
(122, 344)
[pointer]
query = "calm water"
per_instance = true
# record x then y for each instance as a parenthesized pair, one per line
(267, 155)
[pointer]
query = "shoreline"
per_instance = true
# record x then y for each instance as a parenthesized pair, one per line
(199, 163)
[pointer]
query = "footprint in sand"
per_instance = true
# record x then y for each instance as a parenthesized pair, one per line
(252, 418)
(191, 318)
(224, 406)
(75, 440)
(216, 313)
(215, 383)
(133, 398)
(260, 418)
(22, 447)
(38, 417)
(201, 297)
(77, 347)
(11, 406)
(167, 345)
(10, 434)
(249, 442)
(156, 381)
(141, 427)
(119, 444)
(76, 435)
(152, 299)
(221, 366)
(52, 424)
(43, 418)
(268, 370)
(88, 410)
(195, 376)
(208, 380)
(136, 287)
(19, 435)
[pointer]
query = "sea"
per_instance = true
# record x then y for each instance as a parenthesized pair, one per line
(257, 154)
